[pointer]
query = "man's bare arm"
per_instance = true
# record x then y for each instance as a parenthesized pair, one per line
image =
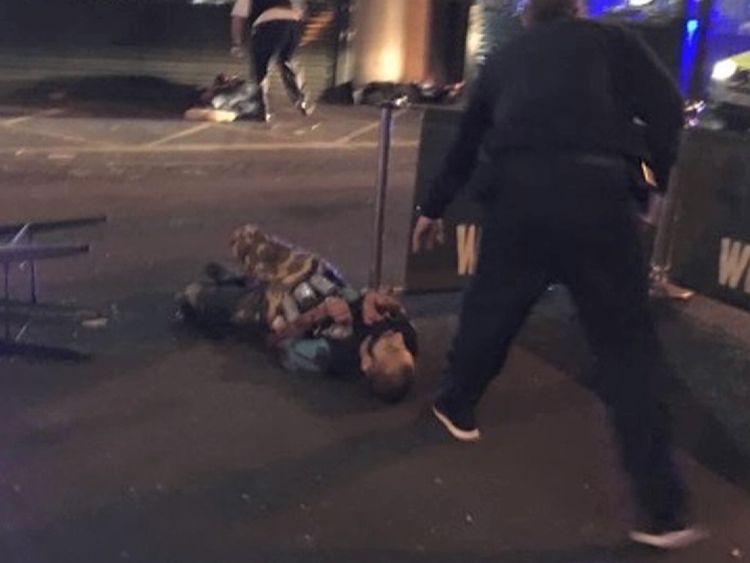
(238, 27)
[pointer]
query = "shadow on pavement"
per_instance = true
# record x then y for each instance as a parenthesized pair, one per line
(113, 96)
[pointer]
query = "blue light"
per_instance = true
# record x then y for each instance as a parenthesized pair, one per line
(691, 27)
(689, 54)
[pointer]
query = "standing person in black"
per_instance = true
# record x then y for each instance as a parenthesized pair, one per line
(548, 143)
(276, 31)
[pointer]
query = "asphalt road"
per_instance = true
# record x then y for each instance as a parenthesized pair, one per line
(166, 447)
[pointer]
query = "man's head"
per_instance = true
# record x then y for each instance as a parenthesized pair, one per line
(543, 11)
(388, 365)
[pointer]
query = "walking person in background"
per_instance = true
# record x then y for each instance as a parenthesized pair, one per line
(275, 33)
(551, 144)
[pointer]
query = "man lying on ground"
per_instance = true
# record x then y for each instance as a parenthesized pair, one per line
(307, 315)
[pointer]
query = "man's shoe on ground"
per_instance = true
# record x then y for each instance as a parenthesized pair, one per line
(669, 539)
(305, 108)
(462, 426)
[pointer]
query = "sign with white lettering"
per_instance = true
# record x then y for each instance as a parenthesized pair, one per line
(712, 231)
(448, 267)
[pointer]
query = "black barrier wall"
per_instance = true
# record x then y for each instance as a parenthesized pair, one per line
(450, 266)
(711, 248)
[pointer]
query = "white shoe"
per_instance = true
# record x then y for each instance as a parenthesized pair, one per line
(674, 539)
(463, 435)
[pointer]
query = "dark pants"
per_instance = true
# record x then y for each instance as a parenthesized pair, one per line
(278, 40)
(570, 219)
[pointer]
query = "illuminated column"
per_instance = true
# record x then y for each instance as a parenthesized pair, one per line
(418, 23)
(391, 40)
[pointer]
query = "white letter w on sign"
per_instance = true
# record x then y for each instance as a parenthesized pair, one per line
(733, 262)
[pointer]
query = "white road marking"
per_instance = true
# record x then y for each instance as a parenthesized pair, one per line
(358, 133)
(15, 120)
(178, 135)
(260, 147)
(23, 118)
(51, 134)
(366, 129)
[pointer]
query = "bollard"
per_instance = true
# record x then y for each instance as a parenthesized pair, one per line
(384, 152)
(661, 257)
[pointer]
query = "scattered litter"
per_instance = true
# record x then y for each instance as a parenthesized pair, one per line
(421, 548)
(20, 152)
(438, 481)
(96, 323)
(245, 497)
(737, 553)
(308, 539)
(304, 507)
(469, 519)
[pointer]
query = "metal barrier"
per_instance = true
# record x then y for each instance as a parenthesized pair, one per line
(21, 249)
(710, 244)
(661, 257)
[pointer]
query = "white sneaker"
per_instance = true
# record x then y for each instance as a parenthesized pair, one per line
(469, 434)
(673, 539)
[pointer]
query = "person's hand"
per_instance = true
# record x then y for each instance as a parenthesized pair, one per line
(338, 311)
(427, 234)
(237, 51)
(376, 306)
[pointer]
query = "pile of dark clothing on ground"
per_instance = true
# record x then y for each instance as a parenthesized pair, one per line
(229, 98)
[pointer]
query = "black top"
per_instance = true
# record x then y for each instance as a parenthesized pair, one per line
(569, 85)
(344, 357)
(260, 6)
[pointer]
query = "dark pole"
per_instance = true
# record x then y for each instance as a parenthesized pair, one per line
(697, 83)
(384, 152)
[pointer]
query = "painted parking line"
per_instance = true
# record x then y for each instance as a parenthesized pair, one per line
(365, 129)
(17, 120)
(179, 135)
(357, 133)
(23, 118)
(49, 134)
(166, 149)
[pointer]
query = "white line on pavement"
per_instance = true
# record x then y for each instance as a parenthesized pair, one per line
(15, 120)
(366, 129)
(358, 133)
(52, 135)
(23, 118)
(178, 135)
(260, 147)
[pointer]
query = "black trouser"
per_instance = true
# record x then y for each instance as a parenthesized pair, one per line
(570, 219)
(279, 40)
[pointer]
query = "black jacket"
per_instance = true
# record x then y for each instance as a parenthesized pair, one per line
(571, 85)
